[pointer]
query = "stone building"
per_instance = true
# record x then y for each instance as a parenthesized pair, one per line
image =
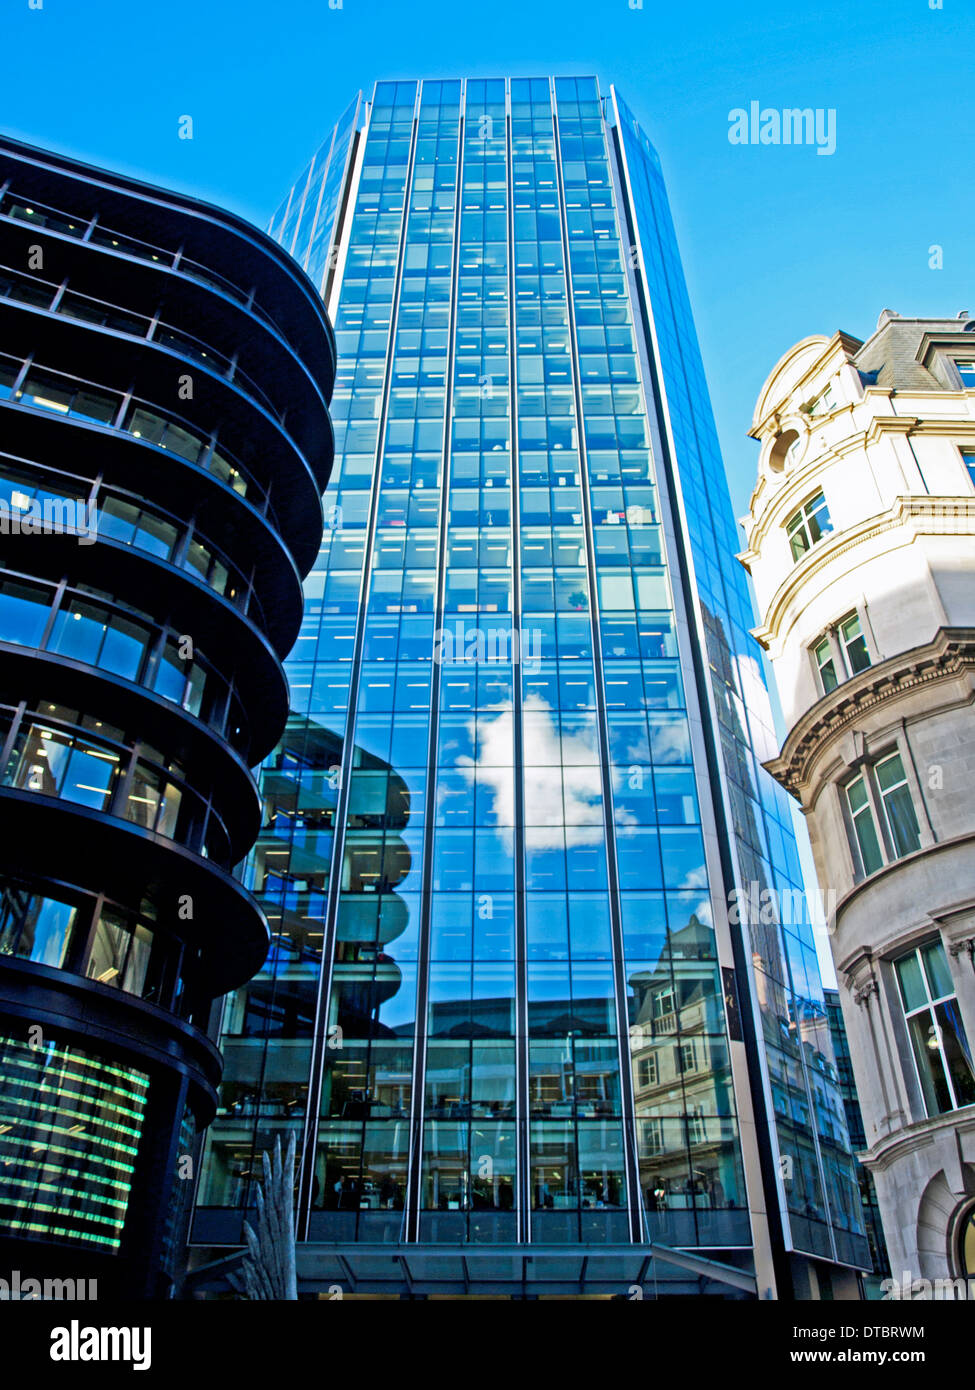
(861, 545)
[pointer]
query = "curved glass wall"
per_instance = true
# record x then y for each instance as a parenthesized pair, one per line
(59, 753)
(85, 626)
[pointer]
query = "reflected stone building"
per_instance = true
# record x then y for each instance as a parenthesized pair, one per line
(860, 542)
(507, 1011)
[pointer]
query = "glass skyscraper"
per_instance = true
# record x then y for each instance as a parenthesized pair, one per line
(507, 1009)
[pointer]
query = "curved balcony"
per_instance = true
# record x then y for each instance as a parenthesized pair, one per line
(289, 495)
(53, 196)
(102, 853)
(88, 630)
(164, 378)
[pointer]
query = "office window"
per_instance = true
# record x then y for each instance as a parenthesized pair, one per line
(808, 525)
(938, 1038)
(882, 815)
(841, 652)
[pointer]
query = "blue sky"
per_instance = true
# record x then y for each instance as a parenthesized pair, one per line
(778, 242)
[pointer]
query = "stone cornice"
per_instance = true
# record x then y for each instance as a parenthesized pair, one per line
(917, 1136)
(851, 963)
(950, 654)
(939, 516)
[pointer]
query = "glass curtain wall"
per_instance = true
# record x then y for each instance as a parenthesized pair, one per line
(818, 1189)
(494, 987)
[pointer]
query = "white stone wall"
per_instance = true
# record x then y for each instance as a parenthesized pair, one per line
(902, 555)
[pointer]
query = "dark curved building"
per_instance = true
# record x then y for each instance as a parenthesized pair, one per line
(165, 373)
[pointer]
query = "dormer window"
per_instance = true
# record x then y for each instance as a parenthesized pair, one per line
(808, 525)
(968, 459)
(824, 403)
(966, 370)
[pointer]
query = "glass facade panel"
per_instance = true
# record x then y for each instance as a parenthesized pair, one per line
(494, 989)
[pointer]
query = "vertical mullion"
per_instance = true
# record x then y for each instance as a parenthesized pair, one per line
(522, 1097)
(323, 1003)
(635, 1203)
(414, 1170)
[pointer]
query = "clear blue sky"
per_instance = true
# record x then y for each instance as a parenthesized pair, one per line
(777, 242)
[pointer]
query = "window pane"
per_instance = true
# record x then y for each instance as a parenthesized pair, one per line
(911, 983)
(35, 929)
(898, 805)
(927, 1053)
(23, 613)
(855, 644)
(827, 666)
(864, 828)
(936, 969)
(957, 1053)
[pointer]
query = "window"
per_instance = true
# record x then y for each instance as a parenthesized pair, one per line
(882, 815)
(864, 829)
(898, 805)
(938, 1038)
(34, 927)
(966, 370)
(841, 652)
(826, 662)
(854, 644)
(647, 1071)
(824, 403)
(120, 953)
(968, 459)
(808, 525)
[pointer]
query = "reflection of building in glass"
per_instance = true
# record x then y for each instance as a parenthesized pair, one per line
(690, 1168)
(854, 1121)
(860, 543)
(158, 509)
(525, 447)
(269, 1022)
